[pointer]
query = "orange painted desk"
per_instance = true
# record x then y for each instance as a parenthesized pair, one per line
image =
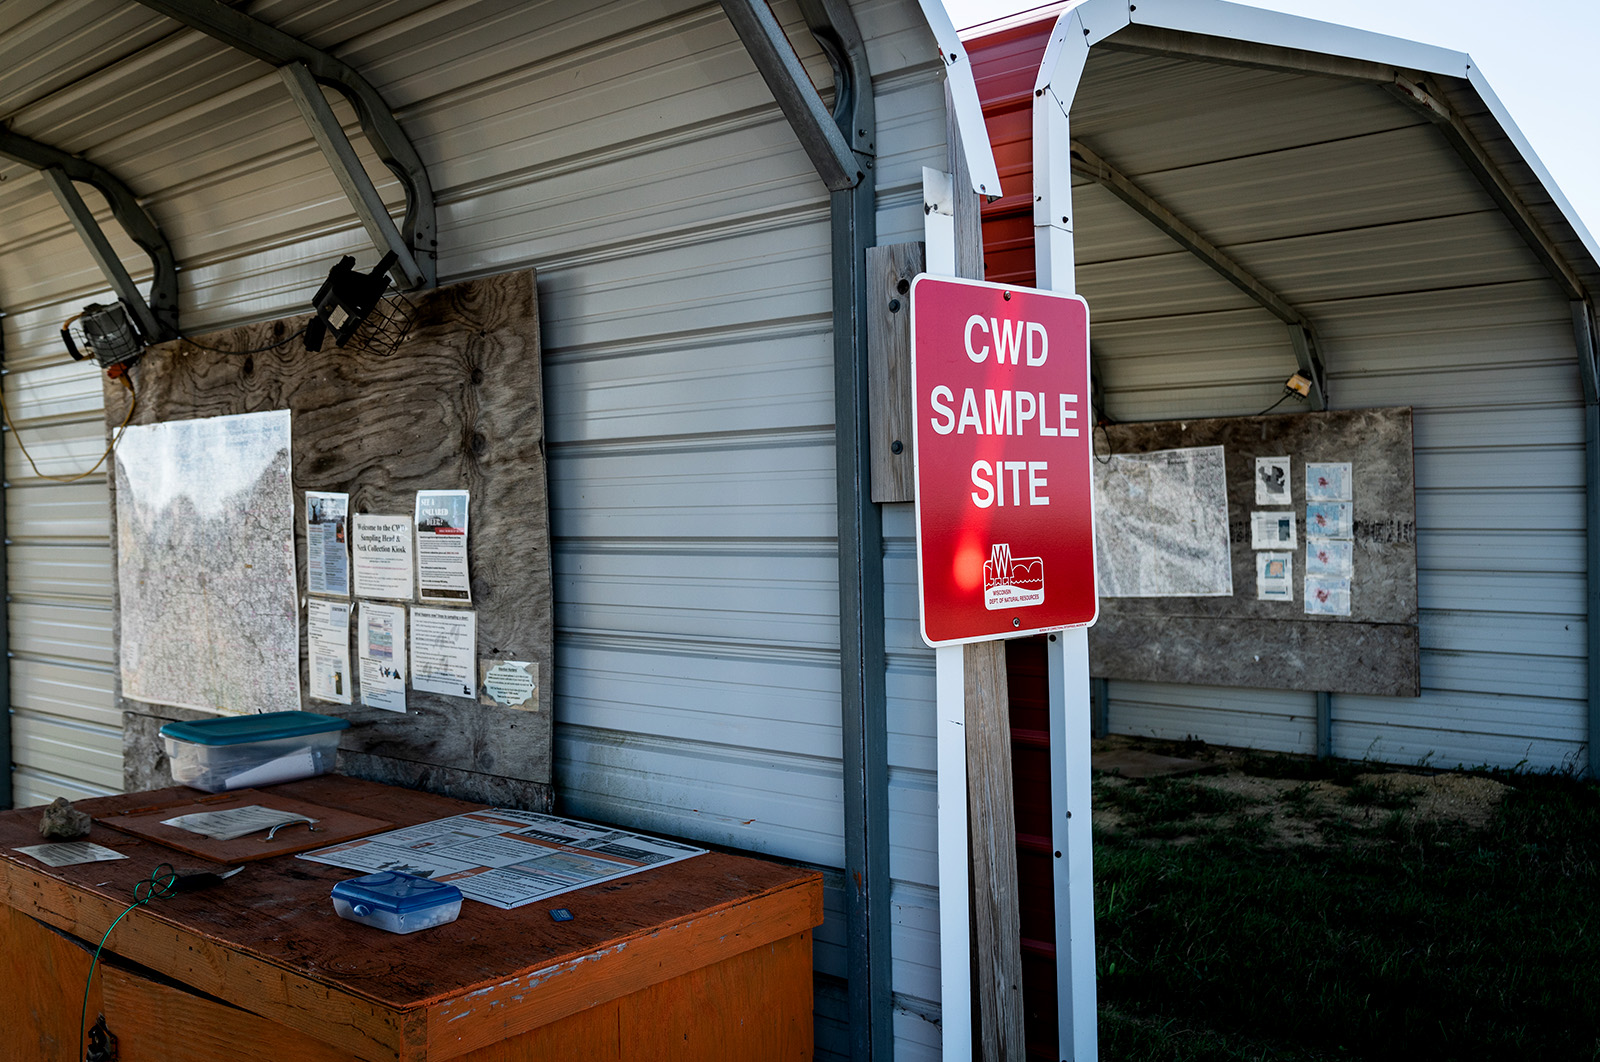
(705, 959)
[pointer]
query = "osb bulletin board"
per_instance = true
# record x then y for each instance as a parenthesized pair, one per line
(1240, 641)
(459, 406)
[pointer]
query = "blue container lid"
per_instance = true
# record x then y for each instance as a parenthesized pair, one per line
(238, 729)
(390, 890)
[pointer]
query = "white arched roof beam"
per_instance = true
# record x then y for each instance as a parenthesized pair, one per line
(304, 68)
(158, 315)
(964, 99)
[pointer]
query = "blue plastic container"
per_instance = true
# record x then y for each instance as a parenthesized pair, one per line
(399, 903)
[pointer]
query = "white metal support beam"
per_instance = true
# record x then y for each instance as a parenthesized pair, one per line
(1477, 160)
(341, 156)
(94, 238)
(1076, 30)
(1302, 337)
(830, 152)
(157, 316)
(975, 145)
(417, 235)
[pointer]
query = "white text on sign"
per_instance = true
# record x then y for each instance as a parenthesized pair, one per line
(1006, 412)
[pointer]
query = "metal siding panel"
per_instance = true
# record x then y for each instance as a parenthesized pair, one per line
(68, 748)
(630, 151)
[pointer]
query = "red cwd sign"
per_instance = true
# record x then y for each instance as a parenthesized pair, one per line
(1004, 436)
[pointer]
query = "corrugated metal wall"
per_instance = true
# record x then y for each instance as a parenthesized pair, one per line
(630, 152)
(1356, 211)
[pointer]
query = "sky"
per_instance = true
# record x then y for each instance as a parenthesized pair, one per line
(1541, 58)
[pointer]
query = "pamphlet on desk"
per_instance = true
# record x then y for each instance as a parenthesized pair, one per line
(507, 858)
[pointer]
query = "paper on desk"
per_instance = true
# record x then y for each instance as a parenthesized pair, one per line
(505, 857)
(234, 822)
(69, 853)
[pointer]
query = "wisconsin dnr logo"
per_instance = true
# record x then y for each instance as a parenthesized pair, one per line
(1012, 582)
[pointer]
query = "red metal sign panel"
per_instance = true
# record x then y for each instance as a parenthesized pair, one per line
(1004, 436)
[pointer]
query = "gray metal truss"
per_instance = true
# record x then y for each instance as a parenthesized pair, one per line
(305, 68)
(841, 145)
(158, 315)
(1302, 336)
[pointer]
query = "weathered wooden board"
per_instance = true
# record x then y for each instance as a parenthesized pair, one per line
(1240, 641)
(459, 406)
(716, 946)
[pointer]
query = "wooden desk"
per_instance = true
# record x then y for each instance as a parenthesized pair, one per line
(705, 959)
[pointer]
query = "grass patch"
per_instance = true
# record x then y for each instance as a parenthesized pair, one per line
(1396, 937)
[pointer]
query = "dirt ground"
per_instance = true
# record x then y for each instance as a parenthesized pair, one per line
(1280, 796)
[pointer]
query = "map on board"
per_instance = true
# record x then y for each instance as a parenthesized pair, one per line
(1161, 524)
(205, 564)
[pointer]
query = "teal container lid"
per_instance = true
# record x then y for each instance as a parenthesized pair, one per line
(238, 729)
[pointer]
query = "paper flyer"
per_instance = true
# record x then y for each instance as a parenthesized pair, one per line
(327, 548)
(1272, 481)
(328, 646)
(444, 645)
(1329, 556)
(1327, 595)
(70, 853)
(507, 858)
(442, 546)
(1329, 520)
(382, 560)
(381, 653)
(234, 822)
(1272, 530)
(1274, 577)
(1329, 481)
(509, 683)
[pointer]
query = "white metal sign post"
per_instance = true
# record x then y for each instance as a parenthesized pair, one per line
(1068, 651)
(1037, 574)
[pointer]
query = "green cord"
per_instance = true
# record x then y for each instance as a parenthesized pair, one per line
(163, 882)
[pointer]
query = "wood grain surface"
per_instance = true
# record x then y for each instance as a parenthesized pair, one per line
(1240, 641)
(458, 406)
(267, 940)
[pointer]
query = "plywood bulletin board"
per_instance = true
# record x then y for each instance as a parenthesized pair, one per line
(459, 406)
(1238, 640)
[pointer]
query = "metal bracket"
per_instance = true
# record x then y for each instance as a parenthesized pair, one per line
(830, 143)
(157, 317)
(1302, 336)
(415, 242)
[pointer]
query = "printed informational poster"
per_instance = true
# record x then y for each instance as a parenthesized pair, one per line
(1272, 531)
(1329, 520)
(1327, 595)
(509, 683)
(1274, 576)
(328, 644)
(381, 654)
(1161, 524)
(444, 644)
(1329, 556)
(507, 858)
(327, 544)
(382, 546)
(442, 546)
(206, 564)
(1272, 481)
(1329, 481)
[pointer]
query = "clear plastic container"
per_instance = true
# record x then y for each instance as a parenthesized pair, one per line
(399, 903)
(235, 752)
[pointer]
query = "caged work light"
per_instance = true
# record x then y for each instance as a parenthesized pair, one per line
(108, 333)
(358, 310)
